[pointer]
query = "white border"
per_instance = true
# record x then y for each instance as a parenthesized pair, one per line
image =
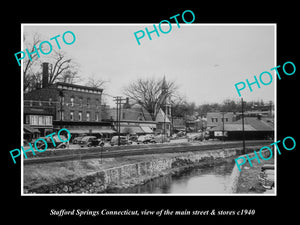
(142, 24)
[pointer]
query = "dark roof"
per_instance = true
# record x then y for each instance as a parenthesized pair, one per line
(233, 127)
(250, 124)
(257, 124)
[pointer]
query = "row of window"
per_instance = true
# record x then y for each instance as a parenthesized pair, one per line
(63, 116)
(38, 120)
(79, 89)
(216, 120)
(62, 101)
(79, 102)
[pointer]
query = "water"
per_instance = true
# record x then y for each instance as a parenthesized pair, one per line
(211, 179)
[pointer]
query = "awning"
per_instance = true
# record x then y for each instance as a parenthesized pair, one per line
(77, 131)
(147, 130)
(103, 131)
(29, 129)
(131, 130)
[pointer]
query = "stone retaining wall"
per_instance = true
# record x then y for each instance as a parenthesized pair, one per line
(233, 184)
(136, 173)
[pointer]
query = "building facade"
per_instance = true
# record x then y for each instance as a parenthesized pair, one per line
(75, 107)
(215, 119)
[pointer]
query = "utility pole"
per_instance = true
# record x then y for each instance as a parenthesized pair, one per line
(61, 95)
(119, 100)
(244, 150)
(223, 127)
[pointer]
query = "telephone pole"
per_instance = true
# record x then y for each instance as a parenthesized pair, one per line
(119, 100)
(243, 125)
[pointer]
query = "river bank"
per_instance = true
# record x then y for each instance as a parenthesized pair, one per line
(94, 176)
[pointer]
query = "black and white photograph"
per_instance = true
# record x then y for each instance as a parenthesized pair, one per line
(149, 114)
(160, 117)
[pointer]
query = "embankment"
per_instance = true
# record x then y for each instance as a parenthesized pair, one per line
(139, 171)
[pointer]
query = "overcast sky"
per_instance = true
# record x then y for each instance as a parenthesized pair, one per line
(205, 60)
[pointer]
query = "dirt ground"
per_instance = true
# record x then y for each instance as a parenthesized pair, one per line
(248, 181)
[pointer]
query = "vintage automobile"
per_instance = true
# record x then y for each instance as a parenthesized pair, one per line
(77, 139)
(195, 137)
(144, 139)
(57, 143)
(123, 140)
(160, 139)
(90, 141)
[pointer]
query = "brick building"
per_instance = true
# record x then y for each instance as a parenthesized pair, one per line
(215, 119)
(75, 107)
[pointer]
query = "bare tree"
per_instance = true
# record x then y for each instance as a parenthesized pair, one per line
(62, 68)
(30, 76)
(151, 93)
(95, 83)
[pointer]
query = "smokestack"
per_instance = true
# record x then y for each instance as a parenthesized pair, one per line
(45, 75)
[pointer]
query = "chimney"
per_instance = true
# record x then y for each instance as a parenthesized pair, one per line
(45, 75)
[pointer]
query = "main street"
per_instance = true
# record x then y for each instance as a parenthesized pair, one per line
(119, 151)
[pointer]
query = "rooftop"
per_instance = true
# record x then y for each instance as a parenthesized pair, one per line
(250, 124)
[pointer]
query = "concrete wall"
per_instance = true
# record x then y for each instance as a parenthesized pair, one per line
(136, 173)
(234, 177)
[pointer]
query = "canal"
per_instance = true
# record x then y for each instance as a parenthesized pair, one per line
(209, 179)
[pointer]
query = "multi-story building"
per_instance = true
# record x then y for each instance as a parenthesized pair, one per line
(75, 107)
(215, 119)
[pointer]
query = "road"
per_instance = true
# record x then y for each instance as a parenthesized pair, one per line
(140, 150)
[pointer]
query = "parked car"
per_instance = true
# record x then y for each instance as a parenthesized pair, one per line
(133, 137)
(123, 140)
(160, 139)
(196, 137)
(144, 139)
(78, 139)
(90, 141)
(57, 143)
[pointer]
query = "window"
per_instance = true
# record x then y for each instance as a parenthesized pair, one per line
(72, 101)
(33, 120)
(97, 103)
(72, 115)
(62, 115)
(48, 120)
(88, 103)
(96, 116)
(27, 119)
(39, 120)
(88, 116)
(61, 100)
(79, 116)
(50, 101)
(80, 102)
